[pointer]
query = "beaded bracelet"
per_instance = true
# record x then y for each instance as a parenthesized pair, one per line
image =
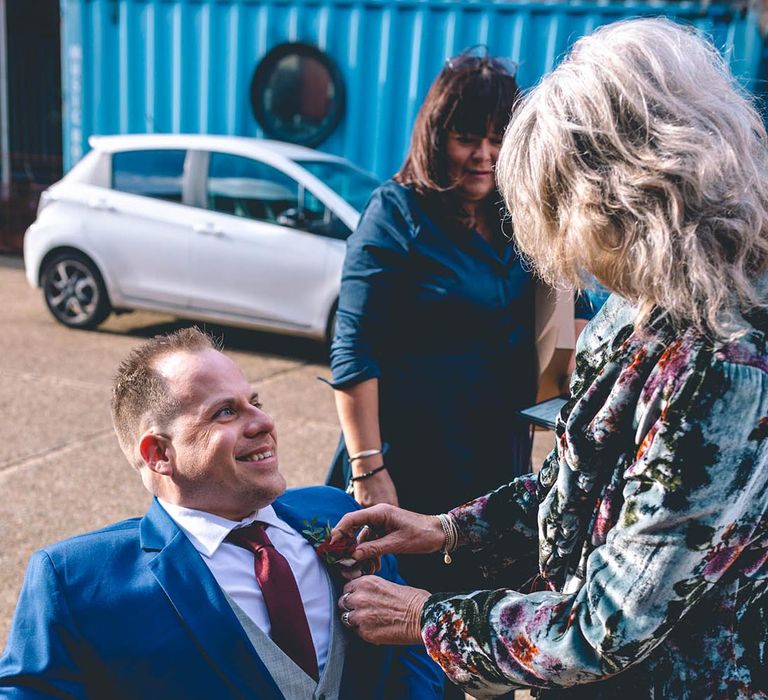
(352, 479)
(365, 475)
(451, 533)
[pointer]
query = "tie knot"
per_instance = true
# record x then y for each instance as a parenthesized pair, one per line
(253, 536)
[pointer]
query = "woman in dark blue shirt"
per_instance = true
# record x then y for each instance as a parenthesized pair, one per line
(434, 344)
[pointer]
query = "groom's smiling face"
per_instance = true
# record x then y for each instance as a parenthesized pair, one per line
(222, 446)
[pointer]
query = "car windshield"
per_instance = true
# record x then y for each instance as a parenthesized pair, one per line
(353, 185)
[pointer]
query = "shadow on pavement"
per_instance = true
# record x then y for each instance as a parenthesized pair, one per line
(15, 262)
(234, 338)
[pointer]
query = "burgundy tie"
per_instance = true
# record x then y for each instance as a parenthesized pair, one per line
(290, 629)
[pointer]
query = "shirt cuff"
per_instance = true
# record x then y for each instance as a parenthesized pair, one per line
(353, 375)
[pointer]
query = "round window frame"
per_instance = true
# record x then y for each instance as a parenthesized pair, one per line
(263, 73)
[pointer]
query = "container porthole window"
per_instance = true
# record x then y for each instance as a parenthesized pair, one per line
(297, 94)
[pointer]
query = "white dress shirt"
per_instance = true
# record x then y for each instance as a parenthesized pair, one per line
(232, 567)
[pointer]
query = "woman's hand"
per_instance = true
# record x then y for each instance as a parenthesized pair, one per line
(382, 612)
(398, 532)
(378, 488)
(351, 569)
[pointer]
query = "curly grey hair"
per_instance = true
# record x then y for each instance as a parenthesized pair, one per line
(639, 160)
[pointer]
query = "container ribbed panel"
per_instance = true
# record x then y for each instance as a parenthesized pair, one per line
(132, 66)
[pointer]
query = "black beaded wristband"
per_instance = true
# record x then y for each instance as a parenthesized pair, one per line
(367, 474)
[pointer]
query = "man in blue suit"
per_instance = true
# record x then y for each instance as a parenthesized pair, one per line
(171, 605)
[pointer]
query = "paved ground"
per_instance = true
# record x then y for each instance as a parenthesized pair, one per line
(61, 471)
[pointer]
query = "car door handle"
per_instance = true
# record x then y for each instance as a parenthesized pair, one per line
(208, 230)
(101, 204)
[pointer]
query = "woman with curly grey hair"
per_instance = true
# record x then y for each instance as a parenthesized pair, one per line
(637, 559)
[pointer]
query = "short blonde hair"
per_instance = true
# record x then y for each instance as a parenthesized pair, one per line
(139, 390)
(640, 161)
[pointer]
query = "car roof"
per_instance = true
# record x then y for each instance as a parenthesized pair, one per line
(207, 142)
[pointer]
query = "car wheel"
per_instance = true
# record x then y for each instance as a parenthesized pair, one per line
(74, 291)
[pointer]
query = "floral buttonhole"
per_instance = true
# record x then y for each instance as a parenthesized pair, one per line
(320, 537)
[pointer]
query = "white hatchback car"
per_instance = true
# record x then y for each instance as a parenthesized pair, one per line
(220, 228)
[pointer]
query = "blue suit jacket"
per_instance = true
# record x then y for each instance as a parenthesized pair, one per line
(132, 611)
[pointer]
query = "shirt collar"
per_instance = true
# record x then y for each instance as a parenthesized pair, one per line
(207, 531)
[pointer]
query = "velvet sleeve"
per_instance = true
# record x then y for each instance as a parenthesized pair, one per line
(500, 529)
(695, 498)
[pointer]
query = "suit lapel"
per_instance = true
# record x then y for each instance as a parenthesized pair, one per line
(362, 662)
(298, 521)
(202, 608)
(291, 515)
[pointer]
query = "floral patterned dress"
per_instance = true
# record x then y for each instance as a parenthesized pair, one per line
(638, 557)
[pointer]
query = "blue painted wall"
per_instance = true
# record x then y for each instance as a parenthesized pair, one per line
(133, 66)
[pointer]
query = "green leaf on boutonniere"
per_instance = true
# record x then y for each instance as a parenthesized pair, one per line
(320, 537)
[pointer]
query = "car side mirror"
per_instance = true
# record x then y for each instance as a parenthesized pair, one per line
(293, 217)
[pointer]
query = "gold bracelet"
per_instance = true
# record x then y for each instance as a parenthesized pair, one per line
(451, 533)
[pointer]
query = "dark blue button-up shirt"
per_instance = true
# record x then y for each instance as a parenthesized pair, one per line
(444, 320)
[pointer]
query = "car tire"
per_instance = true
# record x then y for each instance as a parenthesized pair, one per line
(74, 290)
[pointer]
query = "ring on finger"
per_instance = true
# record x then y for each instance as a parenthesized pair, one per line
(345, 619)
(344, 601)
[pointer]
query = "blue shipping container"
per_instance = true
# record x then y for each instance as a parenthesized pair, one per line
(134, 66)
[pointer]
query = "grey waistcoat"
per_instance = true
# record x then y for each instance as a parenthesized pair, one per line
(293, 682)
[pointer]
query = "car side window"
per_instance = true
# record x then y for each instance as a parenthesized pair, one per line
(249, 188)
(154, 173)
